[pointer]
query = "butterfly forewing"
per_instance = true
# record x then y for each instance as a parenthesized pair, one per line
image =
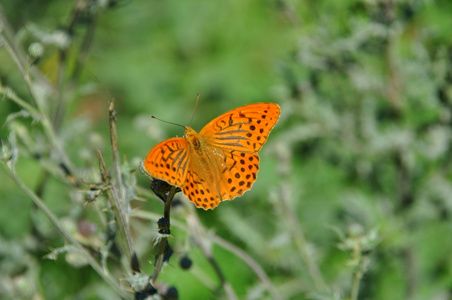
(242, 129)
(169, 161)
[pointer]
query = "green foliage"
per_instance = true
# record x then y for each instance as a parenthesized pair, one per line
(353, 198)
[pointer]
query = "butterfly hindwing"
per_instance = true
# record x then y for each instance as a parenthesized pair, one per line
(200, 192)
(239, 175)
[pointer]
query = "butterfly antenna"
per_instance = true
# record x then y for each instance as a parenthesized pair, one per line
(154, 117)
(196, 105)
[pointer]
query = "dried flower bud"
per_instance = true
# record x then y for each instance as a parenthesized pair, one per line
(185, 262)
(164, 226)
(171, 294)
(141, 295)
(160, 188)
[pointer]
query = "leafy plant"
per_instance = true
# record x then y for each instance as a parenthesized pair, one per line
(353, 197)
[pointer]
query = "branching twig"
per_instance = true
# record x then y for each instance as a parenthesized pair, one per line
(48, 127)
(247, 259)
(198, 233)
(19, 101)
(42, 206)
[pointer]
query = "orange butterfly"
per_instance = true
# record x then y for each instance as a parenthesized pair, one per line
(221, 161)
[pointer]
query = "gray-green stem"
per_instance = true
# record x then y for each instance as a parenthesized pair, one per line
(41, 205)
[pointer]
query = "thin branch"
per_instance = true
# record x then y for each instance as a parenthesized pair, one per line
(59, 112)
(39, 203)
(293, 225)
(46, 123)
(117, 187)
(19, 101)
(19, 63)
(248, 260)
(80, 6)
(115, 154)
(358, 275)
(48, 129)
(164, 238)
(300, 241)
(118, 211)
(198, 233)
(84, 48)
(223, 282)
(6, 31)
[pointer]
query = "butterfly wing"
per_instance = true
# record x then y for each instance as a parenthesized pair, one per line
(226, 165)
(220, 178)
(169, 161)
(231, 142)
(243, 129)
(239, 174)
(199, 191)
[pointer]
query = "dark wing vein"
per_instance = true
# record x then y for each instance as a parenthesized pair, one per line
(236, 124)
(231, 131)
(231, 144)
(234, 137)
(182, 160)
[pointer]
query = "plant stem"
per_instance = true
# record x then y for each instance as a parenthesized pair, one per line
(250, 262)
(247, 259)
(117, 208)
(301, 243)
(293, 225)
(164, 239)
(42, 206)
(198, 234)
(357, 275)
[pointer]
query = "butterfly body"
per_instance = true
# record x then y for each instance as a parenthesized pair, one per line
(194, 140)
(221, 161)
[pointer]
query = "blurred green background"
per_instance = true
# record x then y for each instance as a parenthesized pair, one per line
(355, 177)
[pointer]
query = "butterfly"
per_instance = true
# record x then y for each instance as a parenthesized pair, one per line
(221, 161)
